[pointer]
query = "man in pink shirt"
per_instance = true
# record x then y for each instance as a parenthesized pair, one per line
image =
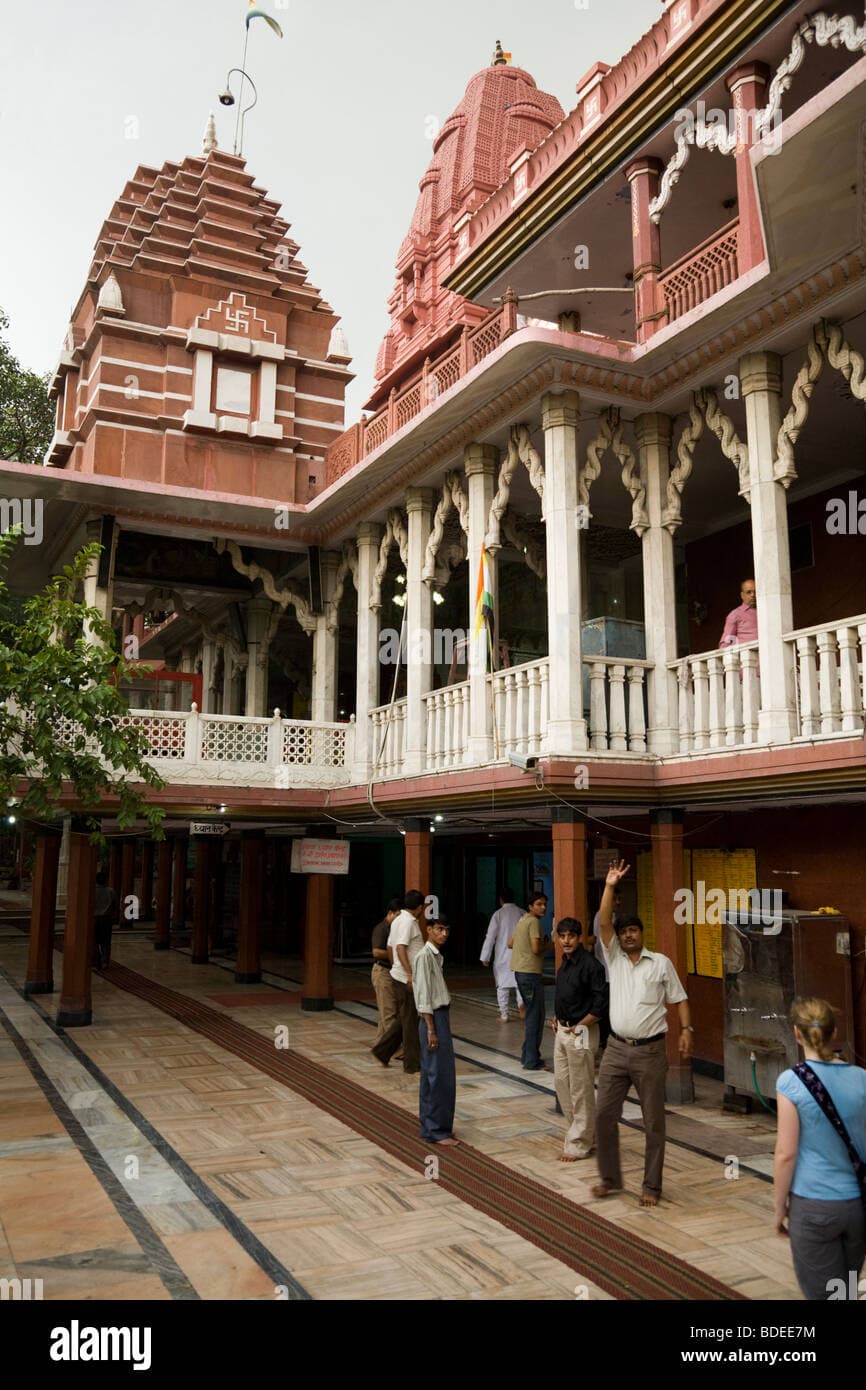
(741, 624)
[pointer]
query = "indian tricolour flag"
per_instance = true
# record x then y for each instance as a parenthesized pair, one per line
(483, 626)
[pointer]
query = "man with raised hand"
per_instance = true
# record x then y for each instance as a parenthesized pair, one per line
(642, 982)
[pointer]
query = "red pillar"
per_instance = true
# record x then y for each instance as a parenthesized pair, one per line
(40, 959)
(127, 880)
(666, 830)
(649, 303)
(201, 900)
(145, 895)
(317, 992)
(162, 936)
(75, 1004)
(569, 870)
(419, 856)
(748, 87)
(249, 966)
(178, 899)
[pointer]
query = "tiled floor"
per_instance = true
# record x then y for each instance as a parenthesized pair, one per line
(140, 1158)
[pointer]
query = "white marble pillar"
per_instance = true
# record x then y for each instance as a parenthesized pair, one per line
(480, 462)
(96, 595)
(566, 729)
(369, 536)
(228, 680)
(325, 649)
(419, 629)
(761, 383)
(63, 864)
(257, 615)
(659, 585)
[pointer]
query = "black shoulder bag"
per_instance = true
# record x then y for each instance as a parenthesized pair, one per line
(816, 1088)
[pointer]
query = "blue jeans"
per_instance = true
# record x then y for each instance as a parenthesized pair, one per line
(532, 989)
(438, 1094)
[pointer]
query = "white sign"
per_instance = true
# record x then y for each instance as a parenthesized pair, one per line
(209, 827)
(320, 856)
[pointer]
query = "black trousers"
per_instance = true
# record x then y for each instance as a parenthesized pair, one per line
(403, 1029)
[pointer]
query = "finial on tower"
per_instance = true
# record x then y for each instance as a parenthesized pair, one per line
(209, 139)
(499, 58)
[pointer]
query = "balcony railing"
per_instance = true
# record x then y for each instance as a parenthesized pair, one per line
(237, 750)
(435, 378)
(701, 273)
(389, 739)
(719, 698)
(520, 705)
(830, 677)
(447, 726)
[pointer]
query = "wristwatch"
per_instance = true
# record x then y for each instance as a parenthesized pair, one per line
(689, 1028)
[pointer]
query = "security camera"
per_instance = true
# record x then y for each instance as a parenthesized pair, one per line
(523, 761)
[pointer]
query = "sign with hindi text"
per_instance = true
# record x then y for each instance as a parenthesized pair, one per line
(320, 856)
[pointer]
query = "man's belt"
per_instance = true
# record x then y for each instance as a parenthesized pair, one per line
(638, 1042)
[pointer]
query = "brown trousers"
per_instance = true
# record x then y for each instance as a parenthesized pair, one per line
(405, 1028)
(621, 1066)
(386, 999)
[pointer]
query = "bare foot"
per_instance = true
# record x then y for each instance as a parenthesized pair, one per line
(446, 1143)
(604, 1189)
(568, 1158)
(648, 1199)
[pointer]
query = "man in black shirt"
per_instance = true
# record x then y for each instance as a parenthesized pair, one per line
(580, 1003)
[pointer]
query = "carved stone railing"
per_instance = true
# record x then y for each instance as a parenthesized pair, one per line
(829, 677)
(617, 704)
(701, 273)
(447, 724)
(521, 706)
(389, 739)
(237, 750)
(719, 698)
(425, 387)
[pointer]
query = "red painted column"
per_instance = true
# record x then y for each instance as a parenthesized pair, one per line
(40, 958)
(569, 870)
(418, 844)
(666, 831)
(649, 303)
(145, 894)
(201, 900)
(249, 966)
(178, 897)
(748, 87)
(75, 1003)
(162, 936)
(318, 991)
(127, 880)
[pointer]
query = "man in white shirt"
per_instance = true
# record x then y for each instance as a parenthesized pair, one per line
(642, 982)
(499, 933)
(405, 940)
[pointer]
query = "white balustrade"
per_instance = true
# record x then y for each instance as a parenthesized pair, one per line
(241, 751)
(617, 721)
(521, 706)
(719, 698)
(447, 726)
(389, 739)
(830, 677)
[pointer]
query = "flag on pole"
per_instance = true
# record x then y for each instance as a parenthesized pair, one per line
(255, 13)
(483, 626)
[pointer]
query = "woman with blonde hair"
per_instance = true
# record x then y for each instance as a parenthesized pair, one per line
(820, 1162)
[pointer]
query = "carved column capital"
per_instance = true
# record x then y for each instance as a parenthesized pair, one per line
(761, 371)
(653, 428)
(480, 458)
(562, 409)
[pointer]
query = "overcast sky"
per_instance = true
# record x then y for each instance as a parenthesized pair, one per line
(340, 136)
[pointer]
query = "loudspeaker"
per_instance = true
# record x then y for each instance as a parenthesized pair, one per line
(315, 564)
(106, 539)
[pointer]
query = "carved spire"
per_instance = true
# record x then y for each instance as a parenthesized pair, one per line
(499, 58)
(337, 346)
(209, 139)
(110, 299)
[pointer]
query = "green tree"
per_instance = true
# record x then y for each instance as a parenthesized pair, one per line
(26, 413)
(61, 712)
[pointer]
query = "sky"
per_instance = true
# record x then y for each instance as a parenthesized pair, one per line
(340, 136)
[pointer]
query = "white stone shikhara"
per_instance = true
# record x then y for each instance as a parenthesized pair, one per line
(560, 415)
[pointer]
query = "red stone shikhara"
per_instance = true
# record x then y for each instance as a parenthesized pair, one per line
(199, 353)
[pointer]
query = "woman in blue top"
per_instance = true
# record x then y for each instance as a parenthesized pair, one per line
(815, 1183)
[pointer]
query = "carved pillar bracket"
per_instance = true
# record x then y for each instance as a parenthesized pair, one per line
(610, 437)
(395, 534)
(453, 498)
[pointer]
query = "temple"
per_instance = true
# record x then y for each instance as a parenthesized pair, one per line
(624, 366)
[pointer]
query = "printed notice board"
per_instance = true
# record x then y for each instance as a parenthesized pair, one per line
(320, 856)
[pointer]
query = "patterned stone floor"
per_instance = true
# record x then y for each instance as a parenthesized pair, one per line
(139, 1160)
